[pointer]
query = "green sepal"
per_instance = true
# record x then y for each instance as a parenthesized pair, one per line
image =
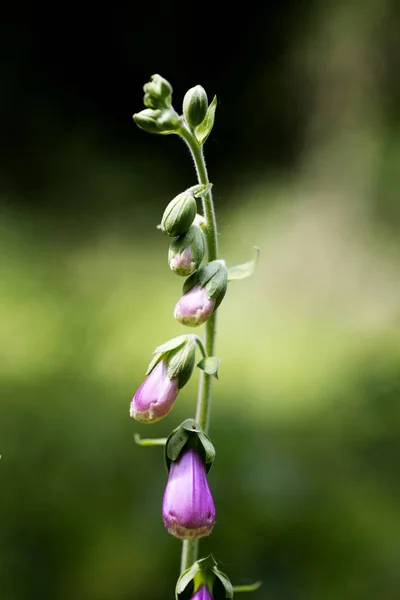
(200, 190)
(252, 587)
(203, 130)
(180, 362)
(204, 570)
(187, 431)
(154, 362)
(172, 344)
(203, 275)
(149, 441)
(244, 270)
(210, 365)
(166, 348)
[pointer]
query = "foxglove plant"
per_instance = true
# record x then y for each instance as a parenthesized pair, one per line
(188, 507)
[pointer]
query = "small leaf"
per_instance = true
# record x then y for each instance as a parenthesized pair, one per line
(171, 344)
(210, 365)
(203, 130)
(200, 190)
(244, 270)
(149, 442)
(247, 588)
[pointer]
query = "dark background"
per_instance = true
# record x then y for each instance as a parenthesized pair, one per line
(305, 161)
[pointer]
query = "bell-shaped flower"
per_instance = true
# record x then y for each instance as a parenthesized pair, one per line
(188, 507)
(156, 396)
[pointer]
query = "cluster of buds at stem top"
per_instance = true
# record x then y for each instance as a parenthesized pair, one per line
(188, 507)
(170, 369)
(203, 292)
(159, 117)
(203, 581)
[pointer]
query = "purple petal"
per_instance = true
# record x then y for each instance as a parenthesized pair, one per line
(203, 593)
(188, 506)
(195, 307)
(156, 396)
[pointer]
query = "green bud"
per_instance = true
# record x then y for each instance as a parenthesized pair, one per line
(158, 121)
(147, 120)
(195, 104)
(158, 93)
(179, 215)
(187, 251)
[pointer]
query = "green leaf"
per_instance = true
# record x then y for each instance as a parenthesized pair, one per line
(203, 130)
(210, 365)
(200, 190)
(149, 442)
(244, 270)
(247, 588)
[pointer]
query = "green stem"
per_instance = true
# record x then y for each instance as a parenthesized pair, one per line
(203, 409)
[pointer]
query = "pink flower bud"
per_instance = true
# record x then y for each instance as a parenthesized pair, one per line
(188, 507)
(195, 307)
(156, 396)
(182, 262)
(203, 593)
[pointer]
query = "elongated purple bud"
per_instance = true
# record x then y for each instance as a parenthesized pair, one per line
(195, 307)
(203, 593)
(188, 507)
(156, 396)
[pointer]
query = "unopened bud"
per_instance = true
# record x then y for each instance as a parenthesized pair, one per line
(195, 104)
(158, 92)
(187, 251)
(179, 215)
(203, 293)
(158, 121)
(169, 371)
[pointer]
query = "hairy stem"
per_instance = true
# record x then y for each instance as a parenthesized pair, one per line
(203, 409)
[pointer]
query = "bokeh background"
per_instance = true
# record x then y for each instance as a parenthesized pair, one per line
(305, 160)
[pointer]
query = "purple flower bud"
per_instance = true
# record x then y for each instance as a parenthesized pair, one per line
(195, 307)
(188, 507)
(203, 593)
(156, 396)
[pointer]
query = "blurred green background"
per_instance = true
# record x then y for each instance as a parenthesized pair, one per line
(305, 161)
